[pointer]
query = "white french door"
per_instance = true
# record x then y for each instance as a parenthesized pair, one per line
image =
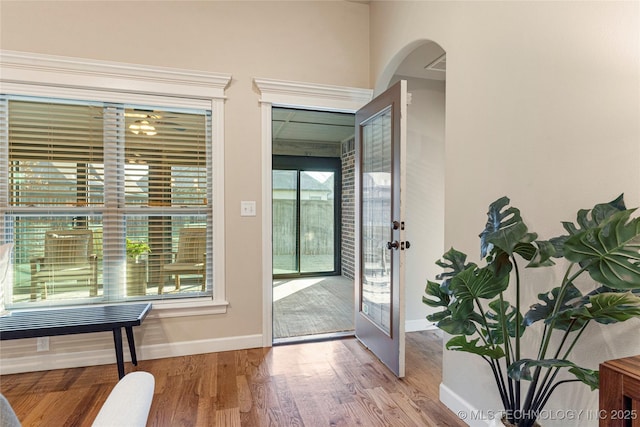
(380, 227)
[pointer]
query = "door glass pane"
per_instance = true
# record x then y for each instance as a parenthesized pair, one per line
(376, 219)
(316, 221)
(285, 220)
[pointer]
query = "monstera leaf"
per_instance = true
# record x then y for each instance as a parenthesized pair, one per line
(458, 319)
(504, 229)
(609, 307)
(610, 251)
(593, 218)
(453, 262)
(435, 297)
(543, 310)
(521, 370)
(503, 313)
(544, 251)
(475, 283)
(461, 344)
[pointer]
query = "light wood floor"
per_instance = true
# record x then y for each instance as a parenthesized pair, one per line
(331, 383)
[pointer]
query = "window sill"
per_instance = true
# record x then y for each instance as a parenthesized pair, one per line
(192, 307)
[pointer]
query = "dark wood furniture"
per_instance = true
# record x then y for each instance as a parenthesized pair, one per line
(78, 320)
(620, 392)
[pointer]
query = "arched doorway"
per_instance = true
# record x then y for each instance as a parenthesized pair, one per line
(423, 65)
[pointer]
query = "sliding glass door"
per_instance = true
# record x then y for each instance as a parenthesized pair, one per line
(306, 216)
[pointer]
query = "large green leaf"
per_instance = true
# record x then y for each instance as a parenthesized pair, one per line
(543, 310)
(544, 251)
(457, 326)
(437, 317)
(609, 307)
(587, 219)
(504, 228)
(462, 318)
(475, 283)
(460, 343)
(521, 370)
(610, 251)
(435, 297)
(591, 218)
(453, 262)
(588, 376)
(499, 262)
(503, 313)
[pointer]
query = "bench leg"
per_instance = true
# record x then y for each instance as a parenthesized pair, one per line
(117, 338)
(132, 345)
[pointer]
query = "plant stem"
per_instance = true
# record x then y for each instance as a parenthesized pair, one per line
(499, 383)
(546, 383)
(517, 337)
(495, 363)
(507, 346)
(558, 304)
(549, 331)
(544, 396)
(544, 402)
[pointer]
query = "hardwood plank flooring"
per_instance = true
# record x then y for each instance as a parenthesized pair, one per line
(330, 383)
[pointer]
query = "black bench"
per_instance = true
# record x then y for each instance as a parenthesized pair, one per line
(78, 320)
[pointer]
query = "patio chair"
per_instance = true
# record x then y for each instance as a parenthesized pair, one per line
(68, 256)
(190, 258)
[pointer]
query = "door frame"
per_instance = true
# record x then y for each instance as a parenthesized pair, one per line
(279, 93)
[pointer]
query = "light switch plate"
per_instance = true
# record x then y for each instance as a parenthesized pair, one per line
(247, 208)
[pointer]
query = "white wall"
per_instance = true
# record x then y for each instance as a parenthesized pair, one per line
(543, 105)
(315, 42)
(425, 193)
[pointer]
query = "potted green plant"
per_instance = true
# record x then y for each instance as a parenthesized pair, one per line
(136, 248)
(136, 269)
(604, 244)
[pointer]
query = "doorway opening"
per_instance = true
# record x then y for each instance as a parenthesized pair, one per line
(312, 224)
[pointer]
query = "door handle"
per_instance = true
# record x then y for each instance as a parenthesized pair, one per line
(393, 245)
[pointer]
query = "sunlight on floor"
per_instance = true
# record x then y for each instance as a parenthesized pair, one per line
(286, 288)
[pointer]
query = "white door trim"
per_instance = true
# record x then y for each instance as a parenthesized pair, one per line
(282, 93)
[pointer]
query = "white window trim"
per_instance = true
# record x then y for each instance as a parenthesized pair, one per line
(282, 93)
(58, 76)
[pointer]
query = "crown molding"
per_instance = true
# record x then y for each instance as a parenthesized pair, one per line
(50, 70)
(289, 93)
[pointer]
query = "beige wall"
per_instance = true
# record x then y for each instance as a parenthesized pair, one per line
(424, 214)
(542, 105)
(317, 42)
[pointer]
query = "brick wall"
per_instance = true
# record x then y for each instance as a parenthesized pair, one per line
(348, 209)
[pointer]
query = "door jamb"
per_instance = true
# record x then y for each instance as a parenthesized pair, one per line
(280, 93)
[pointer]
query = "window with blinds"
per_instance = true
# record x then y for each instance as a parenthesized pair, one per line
(100, 197)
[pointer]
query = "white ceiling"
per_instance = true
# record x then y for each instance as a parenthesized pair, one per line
(428, 61)
(312, 126)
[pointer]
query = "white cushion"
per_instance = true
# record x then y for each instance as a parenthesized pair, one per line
(128, 403)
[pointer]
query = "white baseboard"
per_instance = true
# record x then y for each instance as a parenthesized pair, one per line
(466, 412)
(47, 361)
(418, 325)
